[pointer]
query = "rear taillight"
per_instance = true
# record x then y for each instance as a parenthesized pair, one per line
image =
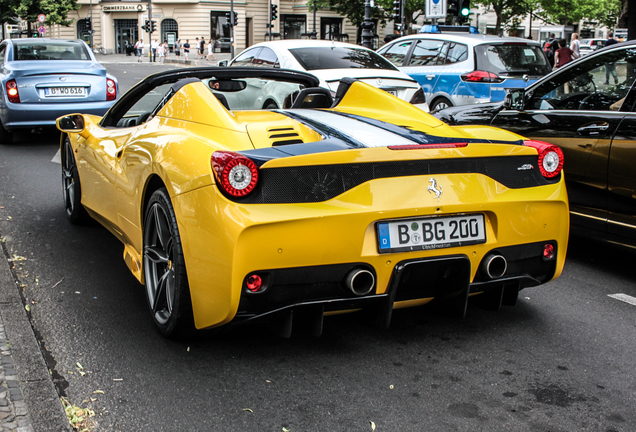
(418, 97)
(111, 90)
(235, 174)
(12, 91)
(482, 76)
(550, 158)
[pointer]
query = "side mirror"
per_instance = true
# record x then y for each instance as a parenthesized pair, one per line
(222, 63)
(71, 123)
(515, 99)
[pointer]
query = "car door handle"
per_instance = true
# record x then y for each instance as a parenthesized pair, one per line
(430, 76)
(586, 146)
(592, 129)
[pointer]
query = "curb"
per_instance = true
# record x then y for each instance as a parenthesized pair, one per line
(30, 393)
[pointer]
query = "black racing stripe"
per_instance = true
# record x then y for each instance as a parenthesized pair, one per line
(318, 183)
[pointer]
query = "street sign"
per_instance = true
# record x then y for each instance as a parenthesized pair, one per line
(41, 18)
(435, 8)
(42, 29)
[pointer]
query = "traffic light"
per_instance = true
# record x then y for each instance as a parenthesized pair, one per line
(153, 26)
(88, 25)
(274, 11)
(453, 8)
(397, 16)
(235, 19)
(146, 26)
(464, 10)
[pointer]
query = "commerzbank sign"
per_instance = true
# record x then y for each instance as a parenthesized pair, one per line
(124, 8)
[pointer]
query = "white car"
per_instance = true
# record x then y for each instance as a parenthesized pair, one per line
(330, 62)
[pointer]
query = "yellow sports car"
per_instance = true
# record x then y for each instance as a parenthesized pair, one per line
(334, 203)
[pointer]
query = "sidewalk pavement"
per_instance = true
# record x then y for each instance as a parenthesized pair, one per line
(28, 399)
(172, 59)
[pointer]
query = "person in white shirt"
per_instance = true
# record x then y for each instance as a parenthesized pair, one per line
(197, 48)
(210, 50)
(153, 47)
(575, 45)
(160, 52)
(139, 46)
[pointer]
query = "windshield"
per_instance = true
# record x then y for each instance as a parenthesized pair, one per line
(512, 59)
(340, 58)
(49, 50)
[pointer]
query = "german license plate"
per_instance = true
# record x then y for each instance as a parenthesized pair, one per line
(393, 92)
(430, 233)
(64, 91)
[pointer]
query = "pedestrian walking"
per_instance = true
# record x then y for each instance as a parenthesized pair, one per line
(563, 55)
(549, 48)
(186, 49)
(610, 68)
(153, 48)
(139, 46)
(166, 49)
(177, 48)
(210, 50)
(202, 47)
(575, 45)
(197, 47)
(161, 53)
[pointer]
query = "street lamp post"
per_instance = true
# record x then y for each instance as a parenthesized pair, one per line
(367, 26)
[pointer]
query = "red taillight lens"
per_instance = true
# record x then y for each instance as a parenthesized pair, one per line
(254, 283)
(12, 91)
(482, 76)
(548, 251)
(550, 158)
(427, 146)
(111, 90)
(418, 97)
(235, 174)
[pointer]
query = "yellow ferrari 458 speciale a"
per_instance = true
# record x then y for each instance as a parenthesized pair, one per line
(232, 213)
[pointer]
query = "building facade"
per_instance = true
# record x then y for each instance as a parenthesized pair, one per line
(116, 24)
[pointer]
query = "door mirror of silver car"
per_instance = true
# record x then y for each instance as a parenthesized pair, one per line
(515, 99)
(71, 123)
(222, 63)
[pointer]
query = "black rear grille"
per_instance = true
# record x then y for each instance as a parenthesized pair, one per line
(317, 183)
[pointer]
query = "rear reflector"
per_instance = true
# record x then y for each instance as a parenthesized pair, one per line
(548, 251)
(254, 282)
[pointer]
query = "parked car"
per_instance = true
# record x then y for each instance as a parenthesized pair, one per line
(362, 202)
(43, 79)
(585, 50)
(330, 61)
(463, 68)
(591, 116)
(223, 45)
(595, 43)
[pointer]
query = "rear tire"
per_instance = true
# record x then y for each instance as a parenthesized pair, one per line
(71, 187)
(167, 288)
(270, 105)
(440, 104)
(6, 137)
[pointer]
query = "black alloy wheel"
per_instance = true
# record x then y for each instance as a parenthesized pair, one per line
(167, 288)
(440, 104)
(71, 188)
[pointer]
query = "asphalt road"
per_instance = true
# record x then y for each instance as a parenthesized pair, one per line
(561, 360)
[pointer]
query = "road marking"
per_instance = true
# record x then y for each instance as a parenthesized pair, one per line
(57, 158)
(625, 298)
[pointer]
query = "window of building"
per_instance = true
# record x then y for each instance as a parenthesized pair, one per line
(294, 26)
(169, 31)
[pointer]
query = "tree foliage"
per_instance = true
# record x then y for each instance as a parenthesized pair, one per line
(56, 11)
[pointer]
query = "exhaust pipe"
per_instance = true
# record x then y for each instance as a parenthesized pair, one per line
(360, 282)
(494, 266)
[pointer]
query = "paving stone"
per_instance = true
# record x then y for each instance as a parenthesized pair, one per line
(13, 384)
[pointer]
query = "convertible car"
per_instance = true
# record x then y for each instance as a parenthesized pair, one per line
(360, 202)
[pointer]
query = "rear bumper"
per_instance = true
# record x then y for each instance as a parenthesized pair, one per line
(224, 242)
(29, 115)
